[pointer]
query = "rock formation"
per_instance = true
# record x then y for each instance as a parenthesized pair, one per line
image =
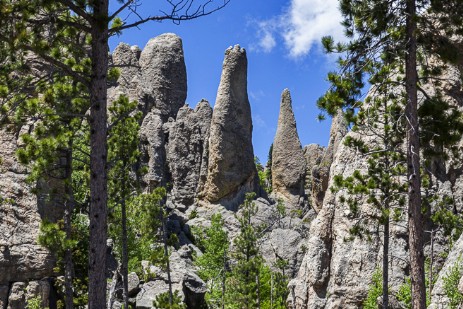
(231, 171)
(320, 163)
(288, 163)
(163, 75)
(21, 258)
(313, 154)
(337, 270)
(187, 151)
(207, 157)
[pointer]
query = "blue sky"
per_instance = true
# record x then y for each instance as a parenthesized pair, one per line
(282, 42)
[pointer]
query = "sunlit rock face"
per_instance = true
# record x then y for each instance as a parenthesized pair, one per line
(288, 163)
(231, 171)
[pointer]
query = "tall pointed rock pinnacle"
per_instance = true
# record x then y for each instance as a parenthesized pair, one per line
(288, 163)
(231, 171)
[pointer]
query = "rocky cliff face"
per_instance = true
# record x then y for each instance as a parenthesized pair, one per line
(187, 151)
(337, 270)
(22, 260)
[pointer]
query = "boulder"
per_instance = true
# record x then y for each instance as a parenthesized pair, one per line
(134, 284)
(17, 296)
(288, 163)
(439, 298)
(191, 288)
(231, 170)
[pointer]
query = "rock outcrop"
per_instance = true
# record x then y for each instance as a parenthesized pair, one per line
(156, 78)
(21, 257)
(439, 297)
(183, 278)
(187, 151)
(163, 75)
(313, 154)
(320, 172)
(337, 270)
(231, 171)
(288, 163)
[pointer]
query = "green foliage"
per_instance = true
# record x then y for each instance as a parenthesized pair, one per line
(375, 290)
(193, 214)
(262, 173)
(446, 217)
(54, 238)
(404, 293)
(268, 169)
(273, 289)
(242, 282)
(451, 280)
(162, 301)
(35, 303)
(213, 263)
(143, 221)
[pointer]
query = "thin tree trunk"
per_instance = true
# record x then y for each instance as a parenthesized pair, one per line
(431, 262)
(386, 265)
(224, 277)
(271, 290)
(98, 156)
(68, 209)
(166, 254)
(125, 256)
(415, 220)
(258, 291)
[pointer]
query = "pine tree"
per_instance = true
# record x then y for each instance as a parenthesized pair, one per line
(123, 154)
(244, 280)
(382, 185)
(213, 263)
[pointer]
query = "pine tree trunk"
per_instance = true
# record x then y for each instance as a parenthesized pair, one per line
(415, 220)
(98, 157)
(224, 277)
(386, 265)
(69, 208)
(166, 253)
(125, 256)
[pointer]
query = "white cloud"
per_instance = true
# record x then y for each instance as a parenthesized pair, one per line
(266, 40)
(301, 26)
(308, 21)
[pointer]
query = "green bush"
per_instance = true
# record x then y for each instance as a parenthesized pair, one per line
(35, 303)
(451, 281)
(162, 301)
(375, 290)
